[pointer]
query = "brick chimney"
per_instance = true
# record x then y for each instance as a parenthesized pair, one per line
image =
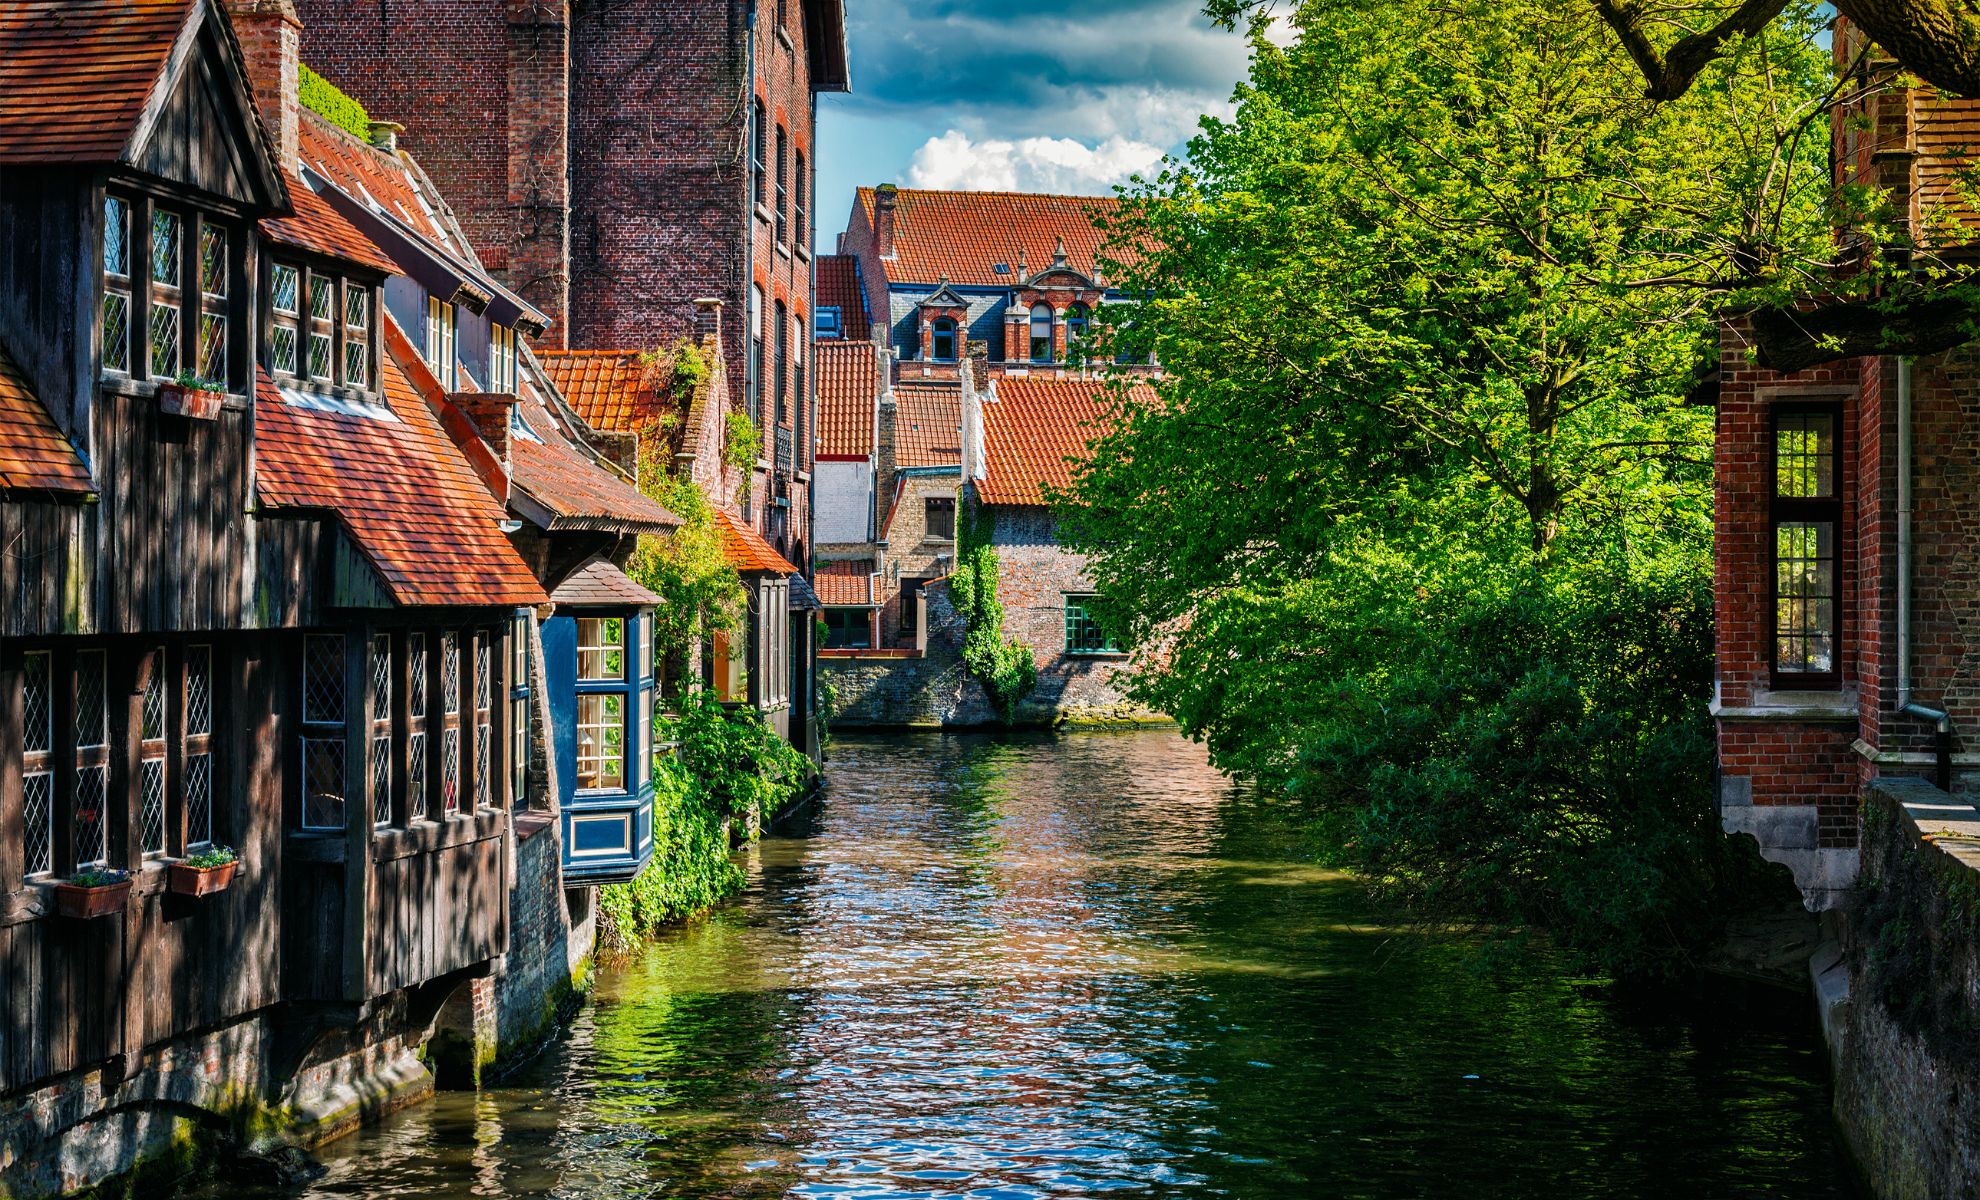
(270, 34)
(885, 197)
(490, 412)
(708, 319)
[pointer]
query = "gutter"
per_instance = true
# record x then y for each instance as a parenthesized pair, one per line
(1940, 720)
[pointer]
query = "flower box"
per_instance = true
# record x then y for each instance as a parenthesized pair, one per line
(186, 880)
(87, 903)
(186, 400)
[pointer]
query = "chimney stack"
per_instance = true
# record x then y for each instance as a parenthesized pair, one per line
(385, 135)
(270, 34)
(884, 199)
(708, 319)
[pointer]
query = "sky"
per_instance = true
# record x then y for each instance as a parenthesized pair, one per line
(1020, 95)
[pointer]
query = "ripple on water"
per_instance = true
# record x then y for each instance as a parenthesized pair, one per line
(1007, 968)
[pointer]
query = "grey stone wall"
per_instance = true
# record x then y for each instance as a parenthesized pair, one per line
(1034, 574)
(932, 690)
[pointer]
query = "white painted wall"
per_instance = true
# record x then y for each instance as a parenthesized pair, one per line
(842, 502)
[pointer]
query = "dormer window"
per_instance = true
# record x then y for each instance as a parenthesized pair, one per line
(322, 328)
(1041, 333)
(502, 359)
(942, 341)
(827, 323)
(168, 294)
(440, 334)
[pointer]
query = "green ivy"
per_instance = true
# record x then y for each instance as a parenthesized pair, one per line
(730, 771)
(743, 443)
(1004, 668)
(323, 98)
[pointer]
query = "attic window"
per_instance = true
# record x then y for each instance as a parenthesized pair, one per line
(828, 325)
(323, 329)
(169, 307)
(1002, 268)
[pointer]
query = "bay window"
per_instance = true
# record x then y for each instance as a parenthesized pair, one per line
(1806, 521)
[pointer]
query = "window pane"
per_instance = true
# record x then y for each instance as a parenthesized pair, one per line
(601, 648)
(92, 705)
(323, 783)
(38, 708)
(602, 742)
(116, 331)
(282, 349)
(213, 261)
(450, 673)
(1805, 591)
(38, 816)
(319, 355)
(1805, 455)
(90, 842)
(154, 699)
(116, 236)
(213, 348)
(321, 293)
(285, 289)
(323, 679)
(199, 800)
(199, 691)
(164, 340)
(164, 249)
(643, 741)
(151, 805)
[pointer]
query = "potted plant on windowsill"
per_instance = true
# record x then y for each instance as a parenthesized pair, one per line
(96, 892)
(191, 397)
(202, 874)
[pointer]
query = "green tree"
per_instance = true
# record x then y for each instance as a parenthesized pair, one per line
(1419, 527)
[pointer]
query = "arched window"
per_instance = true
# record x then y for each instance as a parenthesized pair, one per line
(1041, 333)
(1076, 322)
(944, 349)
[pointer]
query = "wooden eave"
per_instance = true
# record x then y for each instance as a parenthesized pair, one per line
(260, 166)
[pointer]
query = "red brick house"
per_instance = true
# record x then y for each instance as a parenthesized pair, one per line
(1846, 558)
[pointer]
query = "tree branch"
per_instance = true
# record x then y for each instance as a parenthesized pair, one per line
(1670, 74)
(1789, 339)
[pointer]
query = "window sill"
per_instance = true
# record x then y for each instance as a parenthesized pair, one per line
(1792, 707)
(147, 389)
(784, 39)
(1110, 655)
(802, 253)
(428, 837)
(764, 214)
(784, 249)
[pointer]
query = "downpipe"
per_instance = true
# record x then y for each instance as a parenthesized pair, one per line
(1940, 720)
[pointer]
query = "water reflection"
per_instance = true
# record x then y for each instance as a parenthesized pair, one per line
(1043, 966)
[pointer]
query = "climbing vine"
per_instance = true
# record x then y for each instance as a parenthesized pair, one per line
(1004, 668)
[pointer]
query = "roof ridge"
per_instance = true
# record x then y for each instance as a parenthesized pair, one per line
(901, 191)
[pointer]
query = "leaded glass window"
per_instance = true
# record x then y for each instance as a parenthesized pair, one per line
(151, 757)
(322, 334)
(415, 726)
(90, 823)
(484, 707)
(323, 732)
(450, 732)
(357, 336)
(381, 729)
(167, 300)
(116, 284)
(213, 274)
(38, 763)
(285, 337)
(199, 746)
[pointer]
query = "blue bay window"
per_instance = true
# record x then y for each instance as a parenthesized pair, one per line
(598, 665)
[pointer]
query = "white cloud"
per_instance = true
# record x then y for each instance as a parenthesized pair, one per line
(1034, 164)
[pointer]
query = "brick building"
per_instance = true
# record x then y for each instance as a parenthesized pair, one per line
(1846, 557)
(641, 155)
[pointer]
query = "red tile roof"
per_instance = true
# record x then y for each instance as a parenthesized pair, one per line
(613, 390)
(400, 488)
(598, 582)
(1035, 430)
(33, 453)
(75, 75)
(579, 492)
(837, 278)
(848, 395)
(363, 170)
(745, 548)
(928, 425)
(845, 584)
(321, 229)
(964, 235)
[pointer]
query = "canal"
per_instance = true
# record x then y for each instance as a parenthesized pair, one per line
(1044, 966)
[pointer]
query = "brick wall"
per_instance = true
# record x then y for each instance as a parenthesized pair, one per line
(1033, 577)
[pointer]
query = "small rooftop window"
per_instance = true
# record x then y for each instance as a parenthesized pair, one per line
(1002, 268)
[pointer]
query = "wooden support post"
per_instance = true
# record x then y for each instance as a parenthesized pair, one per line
(357, 813)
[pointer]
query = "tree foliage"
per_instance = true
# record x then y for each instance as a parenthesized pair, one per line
(1419, 528)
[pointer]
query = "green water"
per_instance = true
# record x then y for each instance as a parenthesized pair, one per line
(1059, 966)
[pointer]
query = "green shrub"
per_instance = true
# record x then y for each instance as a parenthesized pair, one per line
(1004, 668)
(730, 771)
(323, 98)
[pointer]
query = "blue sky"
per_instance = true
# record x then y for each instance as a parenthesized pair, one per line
(1027, 95)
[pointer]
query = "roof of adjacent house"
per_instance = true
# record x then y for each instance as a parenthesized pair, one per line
(1035, 430)
(847, 583)
(928, 425)
(385, 180)
(76, 75)
(615, 390)
(598, 582)
(33, 453)
(321, 229)
(578, 491)
(745, 548)
(399, 487)
(848, 392)
(837, 279)
(965, 235)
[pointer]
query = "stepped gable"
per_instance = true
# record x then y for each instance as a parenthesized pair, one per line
(399, 487)
(1034, 432)
(34, 456)
(848, 376)
(966, 235)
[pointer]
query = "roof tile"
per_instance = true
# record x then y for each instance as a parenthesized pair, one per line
(846, 583)
(837, 280)
(1036, 430)
(402, 490)
(34, 455)
(75, 75)
(848, 393)
(321, 229)
(965, 235)
(598, 582)
(614, 390)
(928, 425)
(745, 548)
